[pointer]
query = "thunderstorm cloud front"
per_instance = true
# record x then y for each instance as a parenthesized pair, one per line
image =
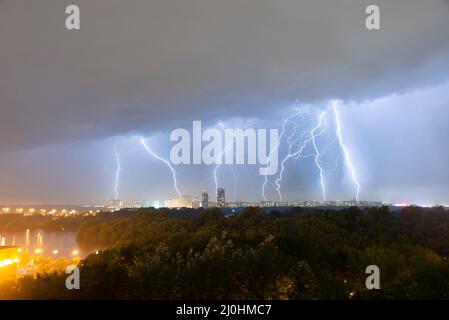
(78, 108)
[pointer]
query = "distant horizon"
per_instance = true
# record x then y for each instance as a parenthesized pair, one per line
(106, 205)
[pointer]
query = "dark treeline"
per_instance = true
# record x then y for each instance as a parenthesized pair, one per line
(296, 254)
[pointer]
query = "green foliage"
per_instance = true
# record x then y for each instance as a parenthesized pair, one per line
(297, 254)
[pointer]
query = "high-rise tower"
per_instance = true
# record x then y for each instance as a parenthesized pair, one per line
(205, 200)
(221, 197)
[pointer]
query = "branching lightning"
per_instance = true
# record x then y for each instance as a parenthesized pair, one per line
(312, 135)
(297, 142)
(286, 158)
(284, 123)
(317, 153)
(343, 147)
(319, 129)
(147, 148)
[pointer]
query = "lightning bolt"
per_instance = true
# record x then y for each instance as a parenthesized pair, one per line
(313, 134)
(117, 171)
(317, 153)
(343, 147)
(219, 160)
(219, 163)
(284, 123)
(147, 148)
(286, 158)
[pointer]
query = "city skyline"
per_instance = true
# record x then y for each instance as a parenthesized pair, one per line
(198, 201)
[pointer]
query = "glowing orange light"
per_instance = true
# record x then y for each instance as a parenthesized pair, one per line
(5, 262)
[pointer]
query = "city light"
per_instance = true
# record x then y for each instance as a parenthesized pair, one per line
(6, 262)
(401, 204)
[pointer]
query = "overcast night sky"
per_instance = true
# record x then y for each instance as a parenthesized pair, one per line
(144, 68)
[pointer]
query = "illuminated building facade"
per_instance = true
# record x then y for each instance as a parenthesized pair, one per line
(205, 200)
(221, 198)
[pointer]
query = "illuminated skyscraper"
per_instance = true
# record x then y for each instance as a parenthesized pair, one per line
(220, 197)
(205, 200)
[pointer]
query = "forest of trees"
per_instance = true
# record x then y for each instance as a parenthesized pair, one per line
(294, 254)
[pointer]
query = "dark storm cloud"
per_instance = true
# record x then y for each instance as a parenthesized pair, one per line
(148, 65)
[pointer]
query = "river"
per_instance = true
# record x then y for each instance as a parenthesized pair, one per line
(56, 244)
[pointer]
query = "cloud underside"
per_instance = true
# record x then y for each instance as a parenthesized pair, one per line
(141, 66)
